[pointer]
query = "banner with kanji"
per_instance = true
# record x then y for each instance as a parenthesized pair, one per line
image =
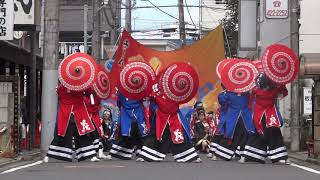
(6, 19)
(203, 55)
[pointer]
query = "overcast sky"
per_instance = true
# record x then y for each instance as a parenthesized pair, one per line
(152, 18)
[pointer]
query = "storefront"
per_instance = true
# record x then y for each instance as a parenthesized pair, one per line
(310, 69)
(16, 101)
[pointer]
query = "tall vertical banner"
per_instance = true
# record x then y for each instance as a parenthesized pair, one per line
(203, 55)
(6, 19)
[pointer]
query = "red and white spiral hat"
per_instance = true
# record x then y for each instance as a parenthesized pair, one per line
(280, 63)
(258, 65)
(77, 71)
(179, 82)
(221, 65)
(136, 80)
(102, 86)
(239, 76)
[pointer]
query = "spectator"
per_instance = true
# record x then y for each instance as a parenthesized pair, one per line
(192, 116)
(198, 105)
(107, 125)
(201, 130)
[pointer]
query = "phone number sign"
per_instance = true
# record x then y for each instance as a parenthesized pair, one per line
(277, 9)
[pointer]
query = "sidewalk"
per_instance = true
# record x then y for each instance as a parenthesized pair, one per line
(24, 156)
(303, 156)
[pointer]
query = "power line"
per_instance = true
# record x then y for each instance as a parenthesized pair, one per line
(144, 19)
(174, 6)
(162, 10)
(160, 29)
(190, 14)
(150, 29)
(216, 9)
(172, 15)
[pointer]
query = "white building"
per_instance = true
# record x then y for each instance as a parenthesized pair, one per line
(309, 34)
(310, 26)
(167, 31)
(212, 12)
(159, 44)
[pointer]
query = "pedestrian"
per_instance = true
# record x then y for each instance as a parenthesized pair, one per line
(37, 131)
(24, 120)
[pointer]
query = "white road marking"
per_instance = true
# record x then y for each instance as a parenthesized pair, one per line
(21, 167)
(305, 168)
(91, 166)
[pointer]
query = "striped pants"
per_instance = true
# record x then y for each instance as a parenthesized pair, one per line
(154, 150)
(96, 140)
(270, 144)
(126, 145)
(227, 148)
(62, 148)
(214, 143)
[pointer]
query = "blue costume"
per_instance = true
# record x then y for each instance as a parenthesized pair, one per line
(223, 112)
(131, 111)
(132, 128)
(236, 124)
(238, 106)
(221, 122)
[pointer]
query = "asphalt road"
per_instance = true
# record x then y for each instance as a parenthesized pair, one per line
(169, 170)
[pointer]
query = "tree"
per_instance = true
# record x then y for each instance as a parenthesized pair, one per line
(231, 28)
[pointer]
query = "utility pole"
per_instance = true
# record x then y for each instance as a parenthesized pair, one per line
(128, 16)
(96, 39)
(200, 18)
(49, 98)
(42, 28)
(115, 7)
(33, 90)
(295, 96)
(181, 22)
(85, 26)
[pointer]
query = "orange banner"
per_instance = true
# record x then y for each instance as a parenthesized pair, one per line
(203, 55)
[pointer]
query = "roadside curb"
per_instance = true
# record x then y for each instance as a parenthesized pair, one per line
(9, 162)
(308, 159)
(21, 158)
(296, 157)
(314, 161)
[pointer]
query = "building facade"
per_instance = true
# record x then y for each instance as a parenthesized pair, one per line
(211, 14)
(72, 24)
(310, 58)
(20, 82)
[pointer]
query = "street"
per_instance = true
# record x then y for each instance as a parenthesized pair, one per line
(121, 170)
